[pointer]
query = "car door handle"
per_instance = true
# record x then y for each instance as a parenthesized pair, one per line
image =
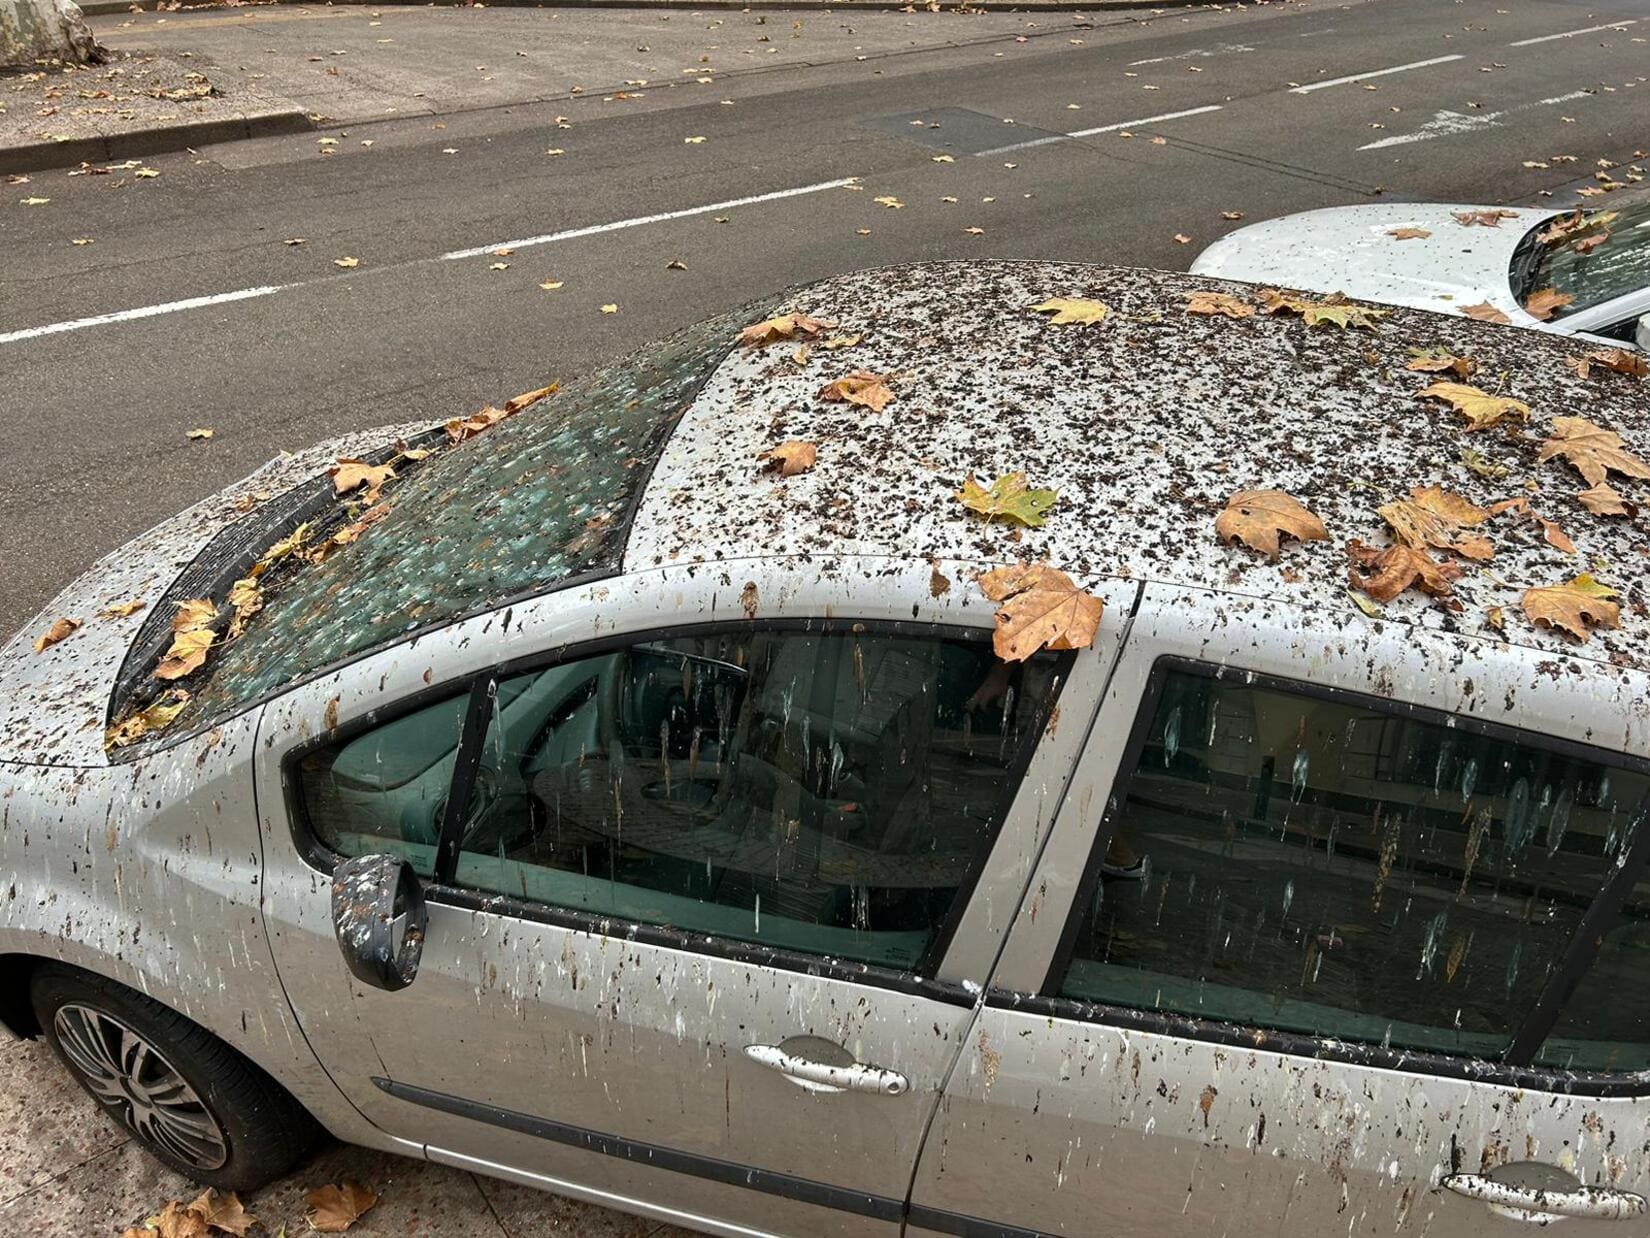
(1538, 1206)
(820, 1077)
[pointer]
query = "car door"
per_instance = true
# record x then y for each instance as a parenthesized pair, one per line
(736, 852)
(1337, 933)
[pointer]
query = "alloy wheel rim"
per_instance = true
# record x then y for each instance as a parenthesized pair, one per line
(133, 1079)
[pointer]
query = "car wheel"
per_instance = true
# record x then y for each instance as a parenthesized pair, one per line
(191, 1101)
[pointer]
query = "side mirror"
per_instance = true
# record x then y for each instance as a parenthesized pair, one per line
(378, 914)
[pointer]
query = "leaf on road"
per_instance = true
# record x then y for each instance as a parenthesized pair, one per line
(1389, 571)
(296, 240)
(790, 457)
(1433, 517)
(499, 266)
(861, 387)
(61, 629)
(1315, 313)
(350, 474)
(1040, 607)
(1259, 518)
(1484, 219)
(1440, 360)
(333, 1209)
(550, 285)
(1480, 408)
(1604, 500)
(1180, 237)
(1410, 234)
(34, 201)
(1541, 303)
(1010, 498)
(1212, 303)
(783, 327)
(1485, 312)
(1592, 451)
(224, 1213)
(155, 717)
(349, 264)
(198, 434)
(1069, 311)
(1576, 607)
(891, 202)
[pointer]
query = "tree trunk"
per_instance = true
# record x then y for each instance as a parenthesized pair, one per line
(32, 30)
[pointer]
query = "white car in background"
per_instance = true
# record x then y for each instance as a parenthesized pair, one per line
(1459, 258)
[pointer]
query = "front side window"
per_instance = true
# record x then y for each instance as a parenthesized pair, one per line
(823, 793)
(1339, 867)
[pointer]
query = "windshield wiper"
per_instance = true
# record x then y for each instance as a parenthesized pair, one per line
(1526, 262)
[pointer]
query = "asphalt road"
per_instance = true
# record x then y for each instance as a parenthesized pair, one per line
(97, 414)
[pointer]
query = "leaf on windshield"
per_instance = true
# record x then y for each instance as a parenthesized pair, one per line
(1587, 244)
(861, 387)
(1439, 361)
(1072, 311)
(192, 638)
(460, 428)
(1315, 313)
(1480, 408)
(1576, 607)
(245, 599)
(1389, 571)
(783, 327)
(60, 630)
(1592, 451)
(790, 457)
(1260, 518)
(1484, 219)
(1485, 312)
(156, 717)
(1604, 500)
(1008, 497)
(1564, 227)
(1540, 304)
(1435, 517)
(1212, 303)
(1040, 607)
(291, 544)
(350, 474)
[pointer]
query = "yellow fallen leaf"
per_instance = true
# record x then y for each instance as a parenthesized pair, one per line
(350, 474)
(1010, 498)
(1575, 607)
(1259, 518)
(499, 266)
(81, 240)
(349, 264)
(121, 609)
(155, 717)
(198, 434)
(790, 457)
(187, 653)
(1592, 451)
(1480, 408)
(550, 285)
(610, 309)
(783, 327)
(1068, 311)
(1211, 303)
(860, 387)
(59, 630)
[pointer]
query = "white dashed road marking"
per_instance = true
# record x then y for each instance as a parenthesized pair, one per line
(1447, 124)
(1089, 133)
(1570, 34)
(145, 311)
(1364, 77)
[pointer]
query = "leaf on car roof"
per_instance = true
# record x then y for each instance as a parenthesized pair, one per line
(1485, 219)
(1576, 607)
(1008, 497)
(1039, 607)
(1604, 500)
(1390, 570)
(1342, 313)
(1550, 530)
(334, 1209)
(60, 630)
(1435, 517)
(1212, 303)
(1410, 234)
(1480, 408)
(1621, 360)
(1258, 518)
(861, 387)
(791, 457)
(1485, 312)
(783, 327)
(157, 716)
(1072, 311)
(1541, 303)
(351, 474)
(1440, 360)
(1592, 451)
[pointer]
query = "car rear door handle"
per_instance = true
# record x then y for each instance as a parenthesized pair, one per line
(819, 1077)
(1538, 1206)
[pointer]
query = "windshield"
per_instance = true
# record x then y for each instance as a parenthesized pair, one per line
(529, 504)
(1593, 258)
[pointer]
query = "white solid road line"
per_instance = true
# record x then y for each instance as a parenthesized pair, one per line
(1447, 124)
(1363, 77)
(246, 294)
(145, 311)
(663, 217)
(1089, 133)
(1570, 34)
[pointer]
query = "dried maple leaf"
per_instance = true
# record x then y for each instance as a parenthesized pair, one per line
(783, 327)
(1040, 607)
(1258, 518)
(1485, 312)
(1621, 360)
(187, 653)
(1576, 607)
(1592, 451)
(1211, 303)
(223, 1212)
(1540, 304)
(1480, 408)
(1398, 567)
(1485, 219)
(1435, 517)
(861, 387)
(1440, 360)
(121, 609)
(194, 614)
(1069, 311)
(1604, 500)
(246, 599)
(1586, 244)
(291, 544)
(790, 457)
(1316, 313)
(156, 717)
(1409, 234)
(176, 1221)
(1008, 497)
(333, 1209)
(60, 630)
(349, 474)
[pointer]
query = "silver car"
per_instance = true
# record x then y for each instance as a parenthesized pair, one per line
(973, 748)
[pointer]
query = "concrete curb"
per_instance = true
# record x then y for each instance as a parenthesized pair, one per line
(160, 140)
(107, 8)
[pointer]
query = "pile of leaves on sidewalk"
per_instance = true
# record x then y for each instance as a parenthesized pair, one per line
(332, 1210)
(64, 101)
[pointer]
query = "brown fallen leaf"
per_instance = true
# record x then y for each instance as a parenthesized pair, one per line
(1485, 312)
(245, 599)
(60, 630)
(1234, 215)
(351, 474)
(1480, 408)
(1433, 517)
(1592, 451)
(860, 387)
(1586, 244)
(224, 1213)
(1440, 360)
(790, 457)
(1040, 607)
(187, 653)
(1258, 518)
(1315, 313)
(939, 584)
(1072, 311)
(121, 609)
(1575, 607)
(1409, 234)
(1180, 238)
(1621, 360)
(195, 613)
(1540, 304)
(1397, 567)
(333, 1209)
(1604, 500)
(1485, 219)
(783, 327)
(1224, 303)
(157, 716)
(460, 428)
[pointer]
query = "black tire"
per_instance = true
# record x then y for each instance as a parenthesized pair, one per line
(234, 1128)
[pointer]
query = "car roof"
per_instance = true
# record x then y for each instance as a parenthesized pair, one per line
(1145, 424)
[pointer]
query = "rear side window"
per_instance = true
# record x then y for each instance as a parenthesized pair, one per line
(1342, 868)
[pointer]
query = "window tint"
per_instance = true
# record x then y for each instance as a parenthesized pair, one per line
(820, 793)
(1338, 868)
(384, 790)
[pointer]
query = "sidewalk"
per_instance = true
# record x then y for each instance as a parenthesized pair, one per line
(66, 1171)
